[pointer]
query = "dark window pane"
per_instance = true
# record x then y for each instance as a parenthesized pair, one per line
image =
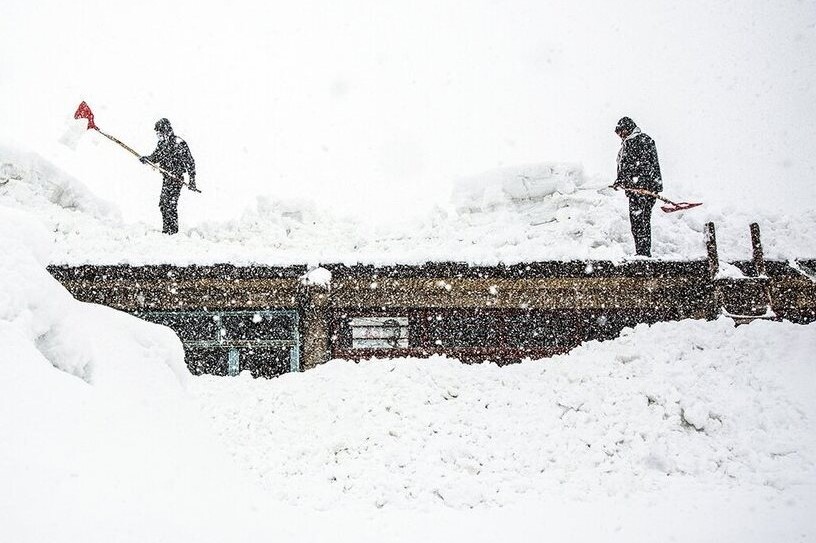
(257, 326)
(264, 362)
(458, 330)
(206, 360)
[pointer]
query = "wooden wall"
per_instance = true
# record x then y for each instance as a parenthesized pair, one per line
(502, 313)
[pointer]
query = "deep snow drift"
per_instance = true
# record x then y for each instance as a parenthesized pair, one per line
(98, 439)
(515, 214)
(691, 402)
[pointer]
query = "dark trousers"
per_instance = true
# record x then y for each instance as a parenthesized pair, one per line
(640, 218)
(168, 204)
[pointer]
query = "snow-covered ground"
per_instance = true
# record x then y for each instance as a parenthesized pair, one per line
(691, 431)
(687, 403)
(514, 214)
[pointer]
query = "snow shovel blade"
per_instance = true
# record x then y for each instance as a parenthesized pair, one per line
(679, 206)
(84, 112)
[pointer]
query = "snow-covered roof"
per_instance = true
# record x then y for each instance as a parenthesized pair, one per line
(535, 212)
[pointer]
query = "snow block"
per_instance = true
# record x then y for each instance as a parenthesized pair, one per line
(531, 183)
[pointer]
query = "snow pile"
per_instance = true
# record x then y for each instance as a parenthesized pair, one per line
(99, 440)
(554, 214)
(694, 402)
(29, 181)
(517, 214)
(36, 308)
(533, 182)
(320, 277)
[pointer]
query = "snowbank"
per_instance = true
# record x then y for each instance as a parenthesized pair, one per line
(99, 439)
(33, 183)
(700, 403)
(77, 338)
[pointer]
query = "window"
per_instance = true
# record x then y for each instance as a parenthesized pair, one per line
(379, 332)
(264, 342)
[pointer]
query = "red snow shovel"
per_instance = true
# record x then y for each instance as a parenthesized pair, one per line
(671, 208)
(84, 112)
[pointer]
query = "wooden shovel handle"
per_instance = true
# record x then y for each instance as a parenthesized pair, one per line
(154, 166)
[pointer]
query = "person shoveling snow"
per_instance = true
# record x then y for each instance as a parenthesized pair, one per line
(639, 175)
(173, 155)
(172, 158)
(638, 168)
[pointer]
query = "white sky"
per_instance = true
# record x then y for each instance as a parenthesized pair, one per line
(385, 102)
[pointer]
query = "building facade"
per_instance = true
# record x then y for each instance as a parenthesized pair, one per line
(273, 320)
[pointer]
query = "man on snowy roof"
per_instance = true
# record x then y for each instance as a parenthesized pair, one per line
(639, 175)
(173, 156)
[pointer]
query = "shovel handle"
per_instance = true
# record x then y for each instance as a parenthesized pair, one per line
(645, 192)
(116, 141)
(675, 206)
(152, 165)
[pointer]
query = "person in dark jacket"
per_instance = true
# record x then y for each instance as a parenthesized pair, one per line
(173, 156)
(638, 168)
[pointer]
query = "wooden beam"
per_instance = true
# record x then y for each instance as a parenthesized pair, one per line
(125, 294)
(557, 293)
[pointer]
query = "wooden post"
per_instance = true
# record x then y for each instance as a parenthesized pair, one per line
(314, 310)
(713, 269)
(711, 247)
(756, 243)
(759, 263)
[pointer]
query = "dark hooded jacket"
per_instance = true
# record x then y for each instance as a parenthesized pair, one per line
(638, 167)
(174, 156)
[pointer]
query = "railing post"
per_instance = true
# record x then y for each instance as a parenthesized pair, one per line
(713, 269)
(756, 244)
(711, 248)
(759, 265)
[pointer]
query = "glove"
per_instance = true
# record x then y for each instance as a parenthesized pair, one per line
(143, 159)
